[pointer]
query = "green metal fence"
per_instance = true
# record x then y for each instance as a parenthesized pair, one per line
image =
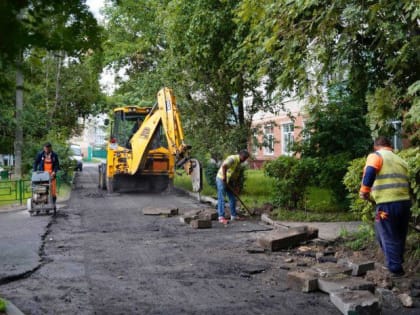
(18, 190)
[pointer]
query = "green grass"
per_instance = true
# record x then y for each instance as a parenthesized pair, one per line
(63, 192)
(2, 305)
(311, 216)
(259, 189)
(92, 160)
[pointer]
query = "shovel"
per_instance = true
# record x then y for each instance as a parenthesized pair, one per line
(237, 197)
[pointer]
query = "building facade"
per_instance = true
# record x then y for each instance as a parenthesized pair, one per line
(275, 133)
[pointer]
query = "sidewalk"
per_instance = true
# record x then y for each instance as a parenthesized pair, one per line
(326, 230)
(20, 243)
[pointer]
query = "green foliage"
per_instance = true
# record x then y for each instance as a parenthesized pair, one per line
(370, 47)
(2, 305)
(362, 238)
(325, 131)
(293, 176)
(412, 157)
(312, 216)
(412, 117)
(211, 172)
(329, 172)
(352, 181)
(413, 247)
(382, 107)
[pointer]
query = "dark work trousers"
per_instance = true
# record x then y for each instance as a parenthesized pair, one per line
(391, 225)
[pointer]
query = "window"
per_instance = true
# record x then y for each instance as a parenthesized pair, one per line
(288, 130)
(254, 143)
(268, 140)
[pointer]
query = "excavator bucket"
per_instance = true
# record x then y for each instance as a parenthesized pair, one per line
(194, 170)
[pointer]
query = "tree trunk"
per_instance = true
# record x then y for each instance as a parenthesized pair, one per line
(18, 144)
(57, 83)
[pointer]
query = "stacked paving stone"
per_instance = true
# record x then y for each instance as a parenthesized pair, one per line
(168, 212)
(199, 219)
(349, 292)
(279, 239)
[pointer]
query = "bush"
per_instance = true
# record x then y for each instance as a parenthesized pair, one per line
(353, 177)
(2, 305)
(292, 176)
(330, 172)
(352, 181)
(211, 173)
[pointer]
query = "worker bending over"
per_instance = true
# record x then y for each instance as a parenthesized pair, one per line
(227, 179)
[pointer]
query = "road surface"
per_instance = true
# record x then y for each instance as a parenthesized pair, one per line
(101, 255)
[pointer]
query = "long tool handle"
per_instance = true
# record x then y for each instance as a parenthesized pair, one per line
(237, 197)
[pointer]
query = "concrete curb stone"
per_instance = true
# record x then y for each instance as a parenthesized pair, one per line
(11, 309)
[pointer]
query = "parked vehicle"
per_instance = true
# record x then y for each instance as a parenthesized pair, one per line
(77, 156)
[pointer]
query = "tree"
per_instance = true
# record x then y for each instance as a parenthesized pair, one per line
(371, 46)
(56, 26)
(191, 47)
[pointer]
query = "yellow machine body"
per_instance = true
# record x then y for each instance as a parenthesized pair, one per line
(145, 147)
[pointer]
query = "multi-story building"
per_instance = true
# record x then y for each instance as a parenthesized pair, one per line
(275, 133)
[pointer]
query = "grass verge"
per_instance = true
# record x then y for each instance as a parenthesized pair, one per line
(2, 305)
(259, 189)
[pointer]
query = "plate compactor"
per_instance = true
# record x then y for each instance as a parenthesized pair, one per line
(41, 200)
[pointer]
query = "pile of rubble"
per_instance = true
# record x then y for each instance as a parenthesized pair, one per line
(352, 283)
(198, 219)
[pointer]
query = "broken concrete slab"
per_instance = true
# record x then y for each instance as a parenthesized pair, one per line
(359, 267)
(208, 214)
(356, 302)
(160, 211)
(341, 282)
(189, 216)
(281, 239)
(325, 259)
(304, 281)
(255, 250)
(201, 224)
(203, 214)
(406, 300)
(387, 299)
(331, 269)
(266, 219)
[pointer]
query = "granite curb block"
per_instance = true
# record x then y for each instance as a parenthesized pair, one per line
(8, 209)
(197, 196)
(11, 309)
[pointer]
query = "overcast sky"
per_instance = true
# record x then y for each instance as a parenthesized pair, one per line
(108, 75)
(95, 6)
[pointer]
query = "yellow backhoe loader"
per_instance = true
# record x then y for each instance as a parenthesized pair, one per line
(145, 147)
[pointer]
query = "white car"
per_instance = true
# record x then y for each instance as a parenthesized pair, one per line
(77, 156)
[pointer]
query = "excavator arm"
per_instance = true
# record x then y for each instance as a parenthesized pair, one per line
(164, 113)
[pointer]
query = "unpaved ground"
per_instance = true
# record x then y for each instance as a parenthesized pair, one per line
(101, 255)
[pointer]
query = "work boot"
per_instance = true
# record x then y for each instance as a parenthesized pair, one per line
(223, 220)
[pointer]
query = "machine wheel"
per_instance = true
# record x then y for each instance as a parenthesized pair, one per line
(101, 179)
(110, 185)
(47, 211)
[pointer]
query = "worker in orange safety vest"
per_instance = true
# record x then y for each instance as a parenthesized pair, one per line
(47, 160)
(385, 180)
